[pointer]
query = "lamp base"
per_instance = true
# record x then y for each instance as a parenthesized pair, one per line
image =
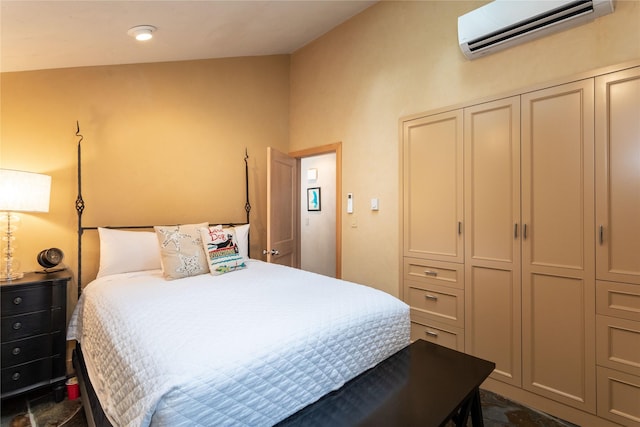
(4, 277)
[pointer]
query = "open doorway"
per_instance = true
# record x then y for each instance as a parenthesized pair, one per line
(320, 225)
(318, 214)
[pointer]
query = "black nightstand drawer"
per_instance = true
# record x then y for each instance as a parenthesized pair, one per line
(26, 374)
(26, 299)
(24, 350)
(24, 325)
(33, 332)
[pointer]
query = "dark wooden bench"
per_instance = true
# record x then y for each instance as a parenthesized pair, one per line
(422, 385)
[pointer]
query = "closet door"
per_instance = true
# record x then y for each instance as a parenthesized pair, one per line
(618, 176)
(558, 273)
(433, 183)
(492, 230)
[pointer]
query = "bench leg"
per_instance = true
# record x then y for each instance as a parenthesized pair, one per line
(461, 414)
(476, 409)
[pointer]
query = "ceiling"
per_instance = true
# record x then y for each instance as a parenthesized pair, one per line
(37, 35)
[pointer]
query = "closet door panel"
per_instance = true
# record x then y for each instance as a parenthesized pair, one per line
(492, 245)
(492, 329)
(558, 273)
(433, 184)
(553, 164)
(618, 176)
(555, 356)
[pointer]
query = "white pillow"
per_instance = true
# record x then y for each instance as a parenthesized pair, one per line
(241, 234)
(125, 251)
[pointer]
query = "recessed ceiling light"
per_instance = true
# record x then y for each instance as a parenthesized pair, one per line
(142, 32)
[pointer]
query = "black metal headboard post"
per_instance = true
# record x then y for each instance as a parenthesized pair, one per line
(79, 209)
(247, 205)
(80, 205)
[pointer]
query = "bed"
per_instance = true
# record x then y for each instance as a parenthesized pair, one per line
(244, 343)
(247, 348)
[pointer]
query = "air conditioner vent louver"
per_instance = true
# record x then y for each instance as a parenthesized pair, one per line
(504, 23)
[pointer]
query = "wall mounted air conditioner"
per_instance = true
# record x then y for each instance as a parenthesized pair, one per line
(505, 23)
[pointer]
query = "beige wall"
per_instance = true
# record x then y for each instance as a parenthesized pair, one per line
(163, 143)
(400, 58)
(155, 133)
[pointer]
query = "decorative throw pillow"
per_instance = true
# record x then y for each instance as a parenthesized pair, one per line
(181, 250)
(222, 250)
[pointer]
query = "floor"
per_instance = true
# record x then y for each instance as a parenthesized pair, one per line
(40, 410)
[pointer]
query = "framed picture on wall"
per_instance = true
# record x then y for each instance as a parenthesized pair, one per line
(313, 199)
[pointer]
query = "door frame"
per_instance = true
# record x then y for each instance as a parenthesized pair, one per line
(314, 151)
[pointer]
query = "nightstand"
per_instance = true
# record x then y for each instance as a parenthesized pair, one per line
(33, 333)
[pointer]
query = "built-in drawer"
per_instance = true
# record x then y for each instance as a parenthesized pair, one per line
(24, 325)
(434, 272)
(442, 303)
(618, 300)
(437, 333)
(28, 374)
(24, 350)
(618, 344)
(618, 396)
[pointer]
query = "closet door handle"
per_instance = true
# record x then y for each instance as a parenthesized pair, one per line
(601, 234)
(524, 231)
(459, 227)
(515, 230)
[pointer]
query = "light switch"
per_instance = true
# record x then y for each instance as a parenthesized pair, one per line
(374, 204)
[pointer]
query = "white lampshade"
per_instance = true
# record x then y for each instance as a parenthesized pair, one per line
(24, 191)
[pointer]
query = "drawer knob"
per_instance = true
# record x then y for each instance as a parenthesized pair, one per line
(432, 334)
(17, 300)
(16, 351)
(17, 326)
(431, 297)
(431, 273)
(15, 376)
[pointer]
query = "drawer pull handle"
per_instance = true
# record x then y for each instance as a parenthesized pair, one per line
(431, 297)
(432, 334)
(17, 300)
(16, 351)
(15, 376)
(17, 326)
(431, 273)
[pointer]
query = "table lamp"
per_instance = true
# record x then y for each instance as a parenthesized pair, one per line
(19, 192)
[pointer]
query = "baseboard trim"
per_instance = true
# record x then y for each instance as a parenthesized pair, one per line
(543, 404)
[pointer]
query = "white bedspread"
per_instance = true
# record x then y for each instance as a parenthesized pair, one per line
(247, 348)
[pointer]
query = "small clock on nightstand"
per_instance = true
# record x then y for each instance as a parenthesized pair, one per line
(50, 258)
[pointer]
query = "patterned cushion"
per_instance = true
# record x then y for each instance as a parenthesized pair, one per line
(181, 250)
(221, 248)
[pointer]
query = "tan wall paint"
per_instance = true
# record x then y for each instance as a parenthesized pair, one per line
(400, 58)
(155, 126)
(163, 143)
